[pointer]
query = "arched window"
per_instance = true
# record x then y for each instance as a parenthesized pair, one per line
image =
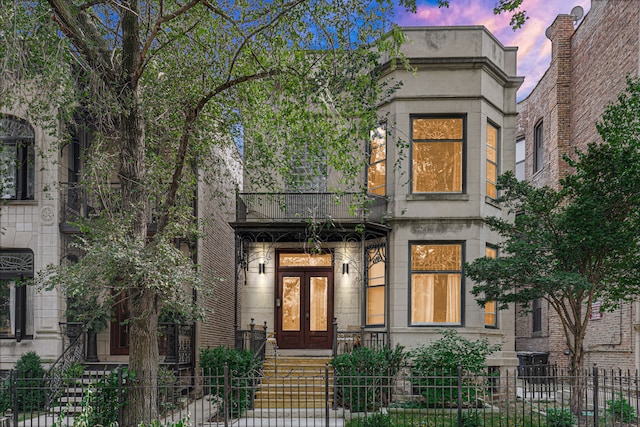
(17, 159)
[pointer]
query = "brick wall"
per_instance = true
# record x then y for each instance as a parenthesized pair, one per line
(588, 70)
(216, 253)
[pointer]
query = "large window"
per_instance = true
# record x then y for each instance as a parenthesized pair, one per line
(17, 165)
(15, 313)
(376, 280)
(437, 147)
(492, 161)
(490, 314)
(436, 274)
(377, 170)
(520, 158)
(538, 147)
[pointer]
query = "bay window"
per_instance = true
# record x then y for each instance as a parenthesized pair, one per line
(377, 170)
(437, 154)
(436, 283)
(376, 281)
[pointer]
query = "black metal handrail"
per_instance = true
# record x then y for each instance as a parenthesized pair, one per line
(73, 352)
(177, 340)
(345, 341)
(253, 340)
(300, 207)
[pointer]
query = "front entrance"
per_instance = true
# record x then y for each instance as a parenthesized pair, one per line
(304, 309)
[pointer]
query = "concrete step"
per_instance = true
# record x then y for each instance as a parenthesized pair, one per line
(293, 413)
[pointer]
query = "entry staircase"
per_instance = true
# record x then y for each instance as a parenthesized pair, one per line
(295, 382)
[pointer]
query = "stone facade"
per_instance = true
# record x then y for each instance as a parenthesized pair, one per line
(462, 72)
(35, 225)
(588, 70)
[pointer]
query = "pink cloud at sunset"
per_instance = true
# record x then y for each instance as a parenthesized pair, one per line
(534, 49)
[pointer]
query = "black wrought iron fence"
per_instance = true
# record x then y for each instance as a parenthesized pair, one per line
(253, 339)
(595, 398)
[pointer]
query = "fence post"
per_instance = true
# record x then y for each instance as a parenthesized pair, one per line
(225, 393)
(120, 400)
(335, 337)
(252, 337)
(595, 395)
(459, 385)
(326, 394)
(14, 386)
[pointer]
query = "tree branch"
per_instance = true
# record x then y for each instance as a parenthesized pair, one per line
(156, 28)
(191, 116)
(75, 25)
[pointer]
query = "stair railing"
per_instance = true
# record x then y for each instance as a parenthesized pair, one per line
(72, 353)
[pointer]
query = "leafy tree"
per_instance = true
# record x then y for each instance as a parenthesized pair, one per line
(518, 15)
(577, 244)
(167, 89)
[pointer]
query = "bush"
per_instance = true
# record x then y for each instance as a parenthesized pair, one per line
(560, 417)
(436, 368)
(102, 401)
(375, 420)
(167, 393)
(241, 368)
(472, 418)
(621, 410)
(362, 375)
(30, 392)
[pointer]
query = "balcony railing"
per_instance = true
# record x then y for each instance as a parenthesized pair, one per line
(77, 203)
(299, 207)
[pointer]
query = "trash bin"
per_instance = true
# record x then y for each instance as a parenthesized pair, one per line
(533, 366)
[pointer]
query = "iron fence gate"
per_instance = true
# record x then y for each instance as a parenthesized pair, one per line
(327, 398)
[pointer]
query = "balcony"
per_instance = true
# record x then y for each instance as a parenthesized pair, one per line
(300, 207)
(76, 204)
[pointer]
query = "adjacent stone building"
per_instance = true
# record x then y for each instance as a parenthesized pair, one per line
(40, 197)
(591, 59)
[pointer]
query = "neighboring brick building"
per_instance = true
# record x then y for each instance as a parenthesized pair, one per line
(588, 70)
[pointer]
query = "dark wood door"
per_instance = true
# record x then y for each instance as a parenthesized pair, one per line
(304, 309)
(120, 327)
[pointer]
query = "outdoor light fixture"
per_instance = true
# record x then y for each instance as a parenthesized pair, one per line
(261, 268)
(345, 268)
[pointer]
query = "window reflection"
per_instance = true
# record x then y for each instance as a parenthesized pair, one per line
(437, 155)
(436, 283)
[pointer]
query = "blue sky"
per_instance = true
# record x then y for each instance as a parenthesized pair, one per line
(534, 49)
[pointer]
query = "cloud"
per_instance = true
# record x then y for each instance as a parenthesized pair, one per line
(534, 49)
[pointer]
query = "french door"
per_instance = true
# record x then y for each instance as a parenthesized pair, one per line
(304, 309)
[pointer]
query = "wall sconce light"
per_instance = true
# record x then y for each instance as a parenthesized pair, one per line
(345, 268)
(261, 268)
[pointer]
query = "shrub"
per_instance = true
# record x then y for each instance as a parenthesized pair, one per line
(436, 368)
(29, 374)
(560, 417)
(102, 401)
(374, 420)
(362, 375)
(472, 418)
(621, 410)
(167, 389)
(5, 394)
(241, 368)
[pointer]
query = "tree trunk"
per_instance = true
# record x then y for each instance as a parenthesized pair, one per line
(576, 372)
(143, 357)
(143, 305)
